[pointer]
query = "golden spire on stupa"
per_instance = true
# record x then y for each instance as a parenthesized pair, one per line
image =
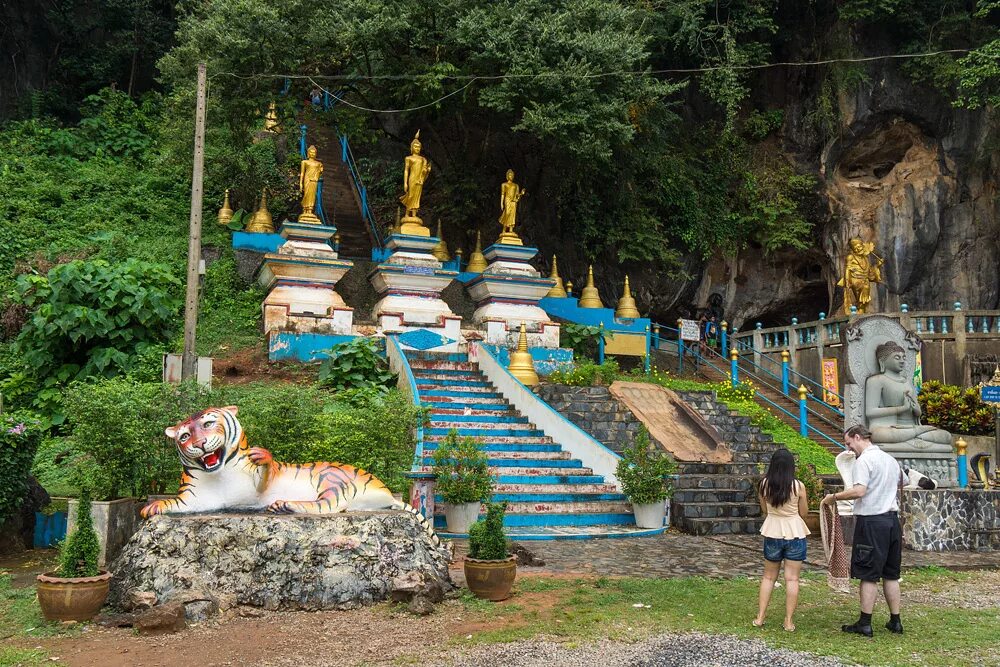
(626, 309)
(557, 290)
(477, 261)
(521, 366)
(589, 298)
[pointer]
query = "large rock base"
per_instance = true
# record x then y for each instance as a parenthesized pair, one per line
(281, 562)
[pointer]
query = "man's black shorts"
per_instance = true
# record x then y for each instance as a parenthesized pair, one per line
(878, 547)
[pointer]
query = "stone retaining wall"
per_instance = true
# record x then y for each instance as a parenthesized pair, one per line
(595, 411)
(951, 520)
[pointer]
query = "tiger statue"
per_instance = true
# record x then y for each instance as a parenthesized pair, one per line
(221, 471)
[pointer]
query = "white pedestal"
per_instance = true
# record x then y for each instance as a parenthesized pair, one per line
(300, 278)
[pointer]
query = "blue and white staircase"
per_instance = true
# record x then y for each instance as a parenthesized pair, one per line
(550, 495)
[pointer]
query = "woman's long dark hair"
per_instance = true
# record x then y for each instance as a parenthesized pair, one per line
(777, 486)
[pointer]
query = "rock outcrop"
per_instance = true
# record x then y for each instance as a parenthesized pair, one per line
(280, 562)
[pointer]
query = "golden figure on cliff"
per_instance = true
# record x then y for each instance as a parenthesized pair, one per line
(859, 274)
(510, 194)
(310, 171)
(416, 169)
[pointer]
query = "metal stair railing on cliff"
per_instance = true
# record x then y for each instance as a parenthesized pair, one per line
(805, 428)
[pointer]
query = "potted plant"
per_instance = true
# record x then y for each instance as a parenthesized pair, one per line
(77, 590)
(806, 474)
(463, 481)
(644, 474)
(489, 568)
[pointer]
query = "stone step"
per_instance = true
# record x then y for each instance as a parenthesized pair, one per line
(509, 455)
(460, 395)
(462, 419)
(713, 482)
(482, 412)
(683, 496)
(516, 497)
(458, 389)
(719, 469)
(502, 488)
(495, 439)
(716, 510)
(484, 431)
(558, 519)
(544, 462)
(572, 507)
(510, 448)
(475, 402)
(430, 364)
(531, 469)
(460, 383)
(720, 526)
(422, 376)
(519, 478)
(414, 357)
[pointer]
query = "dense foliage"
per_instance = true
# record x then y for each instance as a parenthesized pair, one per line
(20, 435)
(955, 409)
(463, 474)
(356, 363)
(80, 552)
(487, 540)
(644, 471)
(585, 373)
(117, 447)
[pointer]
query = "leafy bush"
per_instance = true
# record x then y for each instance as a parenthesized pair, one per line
(55, 467)
(79, 553)
(92, 318)
(356, 363)
(643, 471)
(486, 537)
(586, 374)
(462, 470)
(743, 391)
(806, 473)
(20, 434)
(229, 317)
(370, 430)
(955, 409)
(580, 338)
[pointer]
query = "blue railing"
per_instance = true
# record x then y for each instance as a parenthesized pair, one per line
(394, 350)
(347, 157)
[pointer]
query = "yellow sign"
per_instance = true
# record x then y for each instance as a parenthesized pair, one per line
(633, 345)
(831, 382)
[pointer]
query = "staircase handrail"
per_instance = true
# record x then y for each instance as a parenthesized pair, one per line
(407, 383)
(347, 157)
(828, 406)
(764, 398)
(582, 445)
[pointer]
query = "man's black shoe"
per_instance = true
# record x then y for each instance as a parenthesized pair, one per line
(858, 629)
(894, 626)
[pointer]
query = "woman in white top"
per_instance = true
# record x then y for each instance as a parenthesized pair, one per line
(783, 504)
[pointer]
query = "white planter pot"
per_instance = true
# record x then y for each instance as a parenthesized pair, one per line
(461, 516)
(651, 515)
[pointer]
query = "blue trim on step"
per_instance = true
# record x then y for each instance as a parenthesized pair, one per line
(524, 463)
(479, 419)
(576, 519)
(544, 537)
(485, 432)
(506, 447)
(549, 479)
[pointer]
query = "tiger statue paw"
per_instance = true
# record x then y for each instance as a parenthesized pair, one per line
(152, 509)
(260, 456)
(280, 507)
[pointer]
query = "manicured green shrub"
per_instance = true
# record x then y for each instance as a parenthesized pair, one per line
(487, 540)
(586, 373)
(644, 470)
(955, 409)
(81, 550)
(20, 435)
(462, 469)
(355, 364)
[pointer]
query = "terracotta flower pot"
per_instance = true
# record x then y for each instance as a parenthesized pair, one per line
(72, 598)
(490, 579)
(812, 522)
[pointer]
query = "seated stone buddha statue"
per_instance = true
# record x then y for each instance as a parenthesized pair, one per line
(892, 409)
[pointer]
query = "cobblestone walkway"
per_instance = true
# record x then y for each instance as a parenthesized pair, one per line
(676, 554)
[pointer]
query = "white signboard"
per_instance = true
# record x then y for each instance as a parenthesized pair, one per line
(689, 330)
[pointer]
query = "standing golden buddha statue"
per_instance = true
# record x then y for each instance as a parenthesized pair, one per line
(859, 275)
(416, 169)
(510, 194)
(310, 173)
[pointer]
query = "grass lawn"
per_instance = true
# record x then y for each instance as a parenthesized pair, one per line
(21, 617)
(583, 609)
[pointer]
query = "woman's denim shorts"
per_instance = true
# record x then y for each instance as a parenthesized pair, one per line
(776, 550)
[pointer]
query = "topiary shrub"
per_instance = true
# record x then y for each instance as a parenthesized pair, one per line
(463, 474)
(643, 471)
(955, 409)
(79, 553)
(487, 540)
(20, 435)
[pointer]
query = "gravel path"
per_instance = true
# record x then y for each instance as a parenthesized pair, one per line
(677, 650)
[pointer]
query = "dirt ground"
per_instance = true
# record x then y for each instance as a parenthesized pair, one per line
(250, 364)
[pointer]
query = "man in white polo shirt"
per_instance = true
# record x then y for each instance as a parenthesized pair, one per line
(878, 545)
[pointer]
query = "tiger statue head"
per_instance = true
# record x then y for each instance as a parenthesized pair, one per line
(208, 439)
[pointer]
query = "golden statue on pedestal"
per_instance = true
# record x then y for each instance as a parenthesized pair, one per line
(260, 221)
(859, 274)
(310, 171)
(416, 169)
(510, 194)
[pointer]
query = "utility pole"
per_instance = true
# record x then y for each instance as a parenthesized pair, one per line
(189, 361)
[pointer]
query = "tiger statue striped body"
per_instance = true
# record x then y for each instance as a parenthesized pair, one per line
(222, 472)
